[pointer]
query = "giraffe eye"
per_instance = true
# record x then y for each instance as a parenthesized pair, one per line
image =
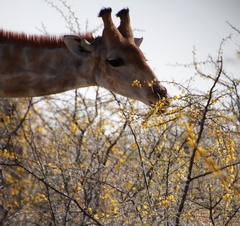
(116, 62)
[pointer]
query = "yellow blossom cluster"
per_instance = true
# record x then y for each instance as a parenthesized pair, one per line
(136, 83)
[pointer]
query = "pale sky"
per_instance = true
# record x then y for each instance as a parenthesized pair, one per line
(170, 28)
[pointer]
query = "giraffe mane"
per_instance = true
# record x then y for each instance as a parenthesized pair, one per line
(41, 41)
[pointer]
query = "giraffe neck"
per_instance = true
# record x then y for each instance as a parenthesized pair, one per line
(33, 71)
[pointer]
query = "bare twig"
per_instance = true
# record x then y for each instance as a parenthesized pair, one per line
(191, 162)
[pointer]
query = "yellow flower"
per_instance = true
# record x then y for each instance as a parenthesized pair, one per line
(191, 142)
(134, 146)
(136, 83)
(40, 129)
(89, 209)
(115, 211)
(96, 216)
(74, 128)
(145, 206)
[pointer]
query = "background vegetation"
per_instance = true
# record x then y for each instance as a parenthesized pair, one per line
(79, 159)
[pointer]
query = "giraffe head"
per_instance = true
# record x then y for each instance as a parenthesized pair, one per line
(122, 67)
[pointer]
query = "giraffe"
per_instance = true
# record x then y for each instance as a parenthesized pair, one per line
(33, 65)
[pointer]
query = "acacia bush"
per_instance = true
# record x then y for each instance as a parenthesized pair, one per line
(79, 159)
(90, 157)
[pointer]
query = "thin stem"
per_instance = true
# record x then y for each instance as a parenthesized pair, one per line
(191, 162)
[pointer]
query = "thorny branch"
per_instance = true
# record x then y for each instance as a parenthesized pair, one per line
(9, 134)
(49, 186)
(139, 150)
(191, 162)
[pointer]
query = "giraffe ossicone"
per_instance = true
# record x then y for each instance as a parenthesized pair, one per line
(41, 65)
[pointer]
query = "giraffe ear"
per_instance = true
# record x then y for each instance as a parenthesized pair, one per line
(77, 45)
(138, 41)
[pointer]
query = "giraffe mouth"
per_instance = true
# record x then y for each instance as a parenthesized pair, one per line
(161, 92)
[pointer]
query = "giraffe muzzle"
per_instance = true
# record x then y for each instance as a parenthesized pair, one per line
(159, 90)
